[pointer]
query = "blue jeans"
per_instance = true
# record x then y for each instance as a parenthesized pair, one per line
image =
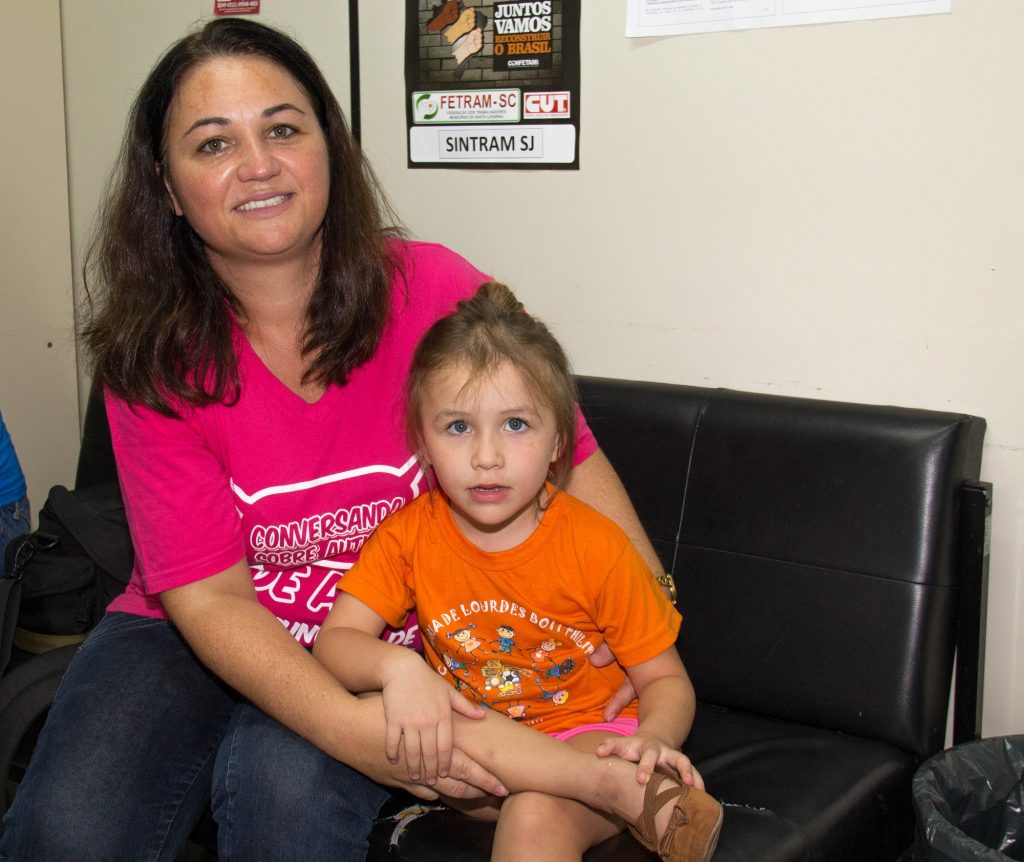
(138, 740)
(15, 520)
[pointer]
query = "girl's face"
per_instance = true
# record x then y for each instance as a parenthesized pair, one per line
(246, 163)
(491, 447)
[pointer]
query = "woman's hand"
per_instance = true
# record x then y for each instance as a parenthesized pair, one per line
(418, 707)
(601, 657)
(466, 779)
(649, 752)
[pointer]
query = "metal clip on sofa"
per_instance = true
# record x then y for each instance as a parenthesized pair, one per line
(831, 561)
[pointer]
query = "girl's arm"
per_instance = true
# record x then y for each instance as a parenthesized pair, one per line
(418, 704)
(244, 644)
(667, 707)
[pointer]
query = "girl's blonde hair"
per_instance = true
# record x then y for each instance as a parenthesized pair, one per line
(481, 334)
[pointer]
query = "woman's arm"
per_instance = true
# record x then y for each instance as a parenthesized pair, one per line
(244, 644)
(597, 484)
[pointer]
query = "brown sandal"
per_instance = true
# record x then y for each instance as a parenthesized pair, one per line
(693, 826)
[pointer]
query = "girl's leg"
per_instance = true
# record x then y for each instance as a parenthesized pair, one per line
(122, 767)
(525, 760)
(278, 798)
(546, 828)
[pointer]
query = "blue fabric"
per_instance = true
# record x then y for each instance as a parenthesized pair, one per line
(12, 480)
(139, 735)
(15, 520)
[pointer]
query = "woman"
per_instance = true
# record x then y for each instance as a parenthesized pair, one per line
(254, 329)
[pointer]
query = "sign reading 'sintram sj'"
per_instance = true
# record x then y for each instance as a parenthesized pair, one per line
(493, 85)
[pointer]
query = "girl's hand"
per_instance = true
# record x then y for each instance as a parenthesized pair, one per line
(418, 707)
(466, 779)
(649, 752)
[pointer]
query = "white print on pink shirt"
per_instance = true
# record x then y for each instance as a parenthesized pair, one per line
(296, 559)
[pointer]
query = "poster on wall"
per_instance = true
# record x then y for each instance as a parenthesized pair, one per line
(675, 17)
(236, 7)
(493, 84)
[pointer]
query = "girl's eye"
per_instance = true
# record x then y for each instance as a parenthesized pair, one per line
(282, 132)
(515, 424)
(459, 426)
(214, 145)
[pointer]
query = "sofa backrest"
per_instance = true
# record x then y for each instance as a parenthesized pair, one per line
(96, 464)
(814, 545)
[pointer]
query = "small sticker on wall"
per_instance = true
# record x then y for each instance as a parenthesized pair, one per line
(236, 7)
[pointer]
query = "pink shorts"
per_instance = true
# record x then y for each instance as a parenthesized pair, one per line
(619, 727)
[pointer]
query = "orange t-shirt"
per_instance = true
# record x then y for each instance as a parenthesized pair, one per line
(513, 630)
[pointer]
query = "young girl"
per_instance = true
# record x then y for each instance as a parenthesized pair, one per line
(515, 583)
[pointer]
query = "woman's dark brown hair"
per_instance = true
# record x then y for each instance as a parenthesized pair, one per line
(157, 324)
(482, 333)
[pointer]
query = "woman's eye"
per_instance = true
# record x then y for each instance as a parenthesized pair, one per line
(215, 145)
(516, 424)
(459, 426)
(282, 132)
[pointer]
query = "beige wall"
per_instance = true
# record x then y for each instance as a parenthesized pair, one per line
(828, 211)
(37, 358)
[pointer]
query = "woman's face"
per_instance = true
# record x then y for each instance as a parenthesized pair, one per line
(246, 163)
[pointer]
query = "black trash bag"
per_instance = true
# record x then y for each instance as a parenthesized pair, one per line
(970, 803)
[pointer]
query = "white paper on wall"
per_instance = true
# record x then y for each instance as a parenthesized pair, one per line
(677, 17)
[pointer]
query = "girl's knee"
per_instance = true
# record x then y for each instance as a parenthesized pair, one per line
(541, 827)
(533, 817)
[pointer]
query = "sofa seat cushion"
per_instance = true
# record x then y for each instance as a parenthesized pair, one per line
(792, 793)
(834, 796)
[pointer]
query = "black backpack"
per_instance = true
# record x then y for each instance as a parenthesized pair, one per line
(62, 576)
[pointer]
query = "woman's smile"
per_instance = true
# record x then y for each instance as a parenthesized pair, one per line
(262, 204)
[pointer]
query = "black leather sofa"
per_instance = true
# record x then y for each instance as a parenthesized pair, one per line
(831, 560)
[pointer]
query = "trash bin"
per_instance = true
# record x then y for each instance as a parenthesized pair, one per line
(970, 804)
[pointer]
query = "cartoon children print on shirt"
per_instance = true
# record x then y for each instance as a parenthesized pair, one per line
(486, 670)
(464, 637)
(504, 640)
(542, 652)
(558, 696)
(561, 669)
(516, 711)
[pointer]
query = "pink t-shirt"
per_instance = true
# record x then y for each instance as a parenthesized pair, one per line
(294, 488)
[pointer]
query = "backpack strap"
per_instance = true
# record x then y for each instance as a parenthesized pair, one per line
(17, 555)
(10, 601)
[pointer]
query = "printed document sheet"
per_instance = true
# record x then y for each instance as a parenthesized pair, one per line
(673, 17)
